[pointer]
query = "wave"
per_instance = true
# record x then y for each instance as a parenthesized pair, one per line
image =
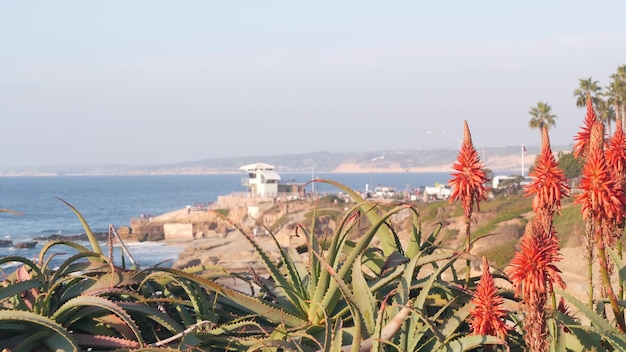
(10, 265)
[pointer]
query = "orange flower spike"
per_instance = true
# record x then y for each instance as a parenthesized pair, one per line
(487, 317)
(533, 269)
(601, 197)
(582, 138)
(615, 154)
(616, 151)
(549, 182)
(468, 183)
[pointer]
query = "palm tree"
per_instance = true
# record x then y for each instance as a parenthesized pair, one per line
(606, 113)
(587, 88)
(617, 91)
(542, 116)
(615, 98)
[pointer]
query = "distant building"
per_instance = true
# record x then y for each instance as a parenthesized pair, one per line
(262, 180)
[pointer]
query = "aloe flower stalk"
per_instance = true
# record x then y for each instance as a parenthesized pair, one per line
(616, 151)
(468, 185)
(533, 273)
(549, 186)
(582, 138)
(487, 317)
(615, 154)
(601, 201)
(580, 151)
(549, 183)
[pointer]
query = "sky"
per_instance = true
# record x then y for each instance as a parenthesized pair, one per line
(149, 82)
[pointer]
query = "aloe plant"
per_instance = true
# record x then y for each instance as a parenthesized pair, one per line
(86, 302)
(352, 295)
(374, 292)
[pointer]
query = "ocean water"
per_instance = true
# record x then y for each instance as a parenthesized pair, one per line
(114, 200)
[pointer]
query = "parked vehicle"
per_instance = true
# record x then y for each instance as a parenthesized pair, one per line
(385, 192)
(439, 191)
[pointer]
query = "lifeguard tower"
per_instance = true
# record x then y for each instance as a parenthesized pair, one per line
(262, 180)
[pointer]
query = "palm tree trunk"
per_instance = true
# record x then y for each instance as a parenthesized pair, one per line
(618, 115)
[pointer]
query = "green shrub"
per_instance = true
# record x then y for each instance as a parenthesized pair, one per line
(569, 226)
(279, 223)
(505, 209)
(330, 213)
(432, 211)
(223, 212)
(449, 235)
(500, 255)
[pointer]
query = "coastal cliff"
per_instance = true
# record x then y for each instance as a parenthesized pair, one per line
(232, 250)
(434, 160)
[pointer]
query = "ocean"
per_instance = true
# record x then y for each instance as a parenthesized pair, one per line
(114, 200)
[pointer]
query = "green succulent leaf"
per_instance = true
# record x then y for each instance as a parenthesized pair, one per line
(154, 314)
(413, 247)
(364, 299)
(387, 239)
(28, 263)
(619, 265)
(32, 341)
(95, 246)
(101, 341)
(331, 296)
(469, 342)
(191, 289)
(67, 310)
(287, 292)
(47, 246)
(235, 299)
(593, 317)
(59, 339)
(18, 287)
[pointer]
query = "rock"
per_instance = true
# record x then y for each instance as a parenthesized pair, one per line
(123, 231)
(6, 243)
(101, 236)
(157, 236)
(25, 245)
(234, 254)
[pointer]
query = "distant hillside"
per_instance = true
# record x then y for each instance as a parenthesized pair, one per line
(497, 159)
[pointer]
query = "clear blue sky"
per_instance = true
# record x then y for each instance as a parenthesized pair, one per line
(144, 82)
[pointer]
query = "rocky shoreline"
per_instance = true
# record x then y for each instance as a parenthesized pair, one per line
(233, 253)
(54, 237)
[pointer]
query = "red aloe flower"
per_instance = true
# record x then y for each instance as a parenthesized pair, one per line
(615, 152)
(549, 182)
(468, 184)
(602, 202)
(534, 274)
(533, 269)
(487, 317)
(582, 138)
(601, 197)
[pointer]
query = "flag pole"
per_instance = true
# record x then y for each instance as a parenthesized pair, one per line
(522, 160)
